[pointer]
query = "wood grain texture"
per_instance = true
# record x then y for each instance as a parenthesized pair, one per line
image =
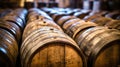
(57, 55)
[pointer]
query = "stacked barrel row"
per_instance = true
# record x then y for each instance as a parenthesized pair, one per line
(44, 44)
(11, 26)
(110, 19)
(100, 44)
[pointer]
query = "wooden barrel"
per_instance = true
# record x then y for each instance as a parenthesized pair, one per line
(16, 20)
(89, 18)
(33, 11)
(79, 27)
(12, 28)
(82, 36)
(101, 21)
(35, 17)
(114, 24)
(63, 19)
(68, 23)
(35, 14)
(101, 46)
(49, 46)
(113, 14)
(30, 13)
(93, 15)
(8, 49)
(100, 13)
(32, 26)
(56, 17)
(21, 13)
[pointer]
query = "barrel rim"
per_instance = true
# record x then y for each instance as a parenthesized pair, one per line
(79, 51)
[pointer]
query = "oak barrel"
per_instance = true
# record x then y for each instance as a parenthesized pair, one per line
(57, 16)
(31, 26)
(20, 13)
(34, 11)
(16, 20)
(101, 21)
(113, 14)
(80, 27)
(50, 47)
(12, 28)
(63, 19)
(8, 49)
(101, 46)
(68, 23)
(94, 15)
(114, 24)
